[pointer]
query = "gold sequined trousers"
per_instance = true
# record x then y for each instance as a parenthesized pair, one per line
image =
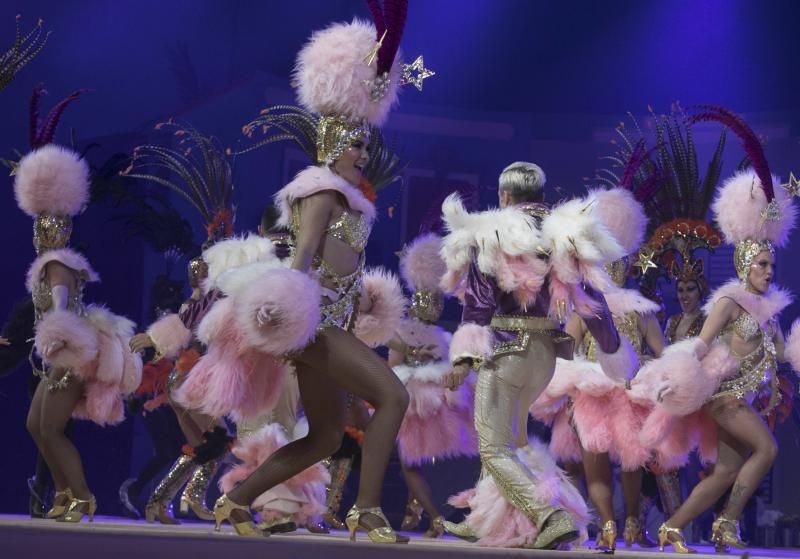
(506, 387)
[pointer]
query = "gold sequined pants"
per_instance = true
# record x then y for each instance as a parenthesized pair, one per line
(506, 387)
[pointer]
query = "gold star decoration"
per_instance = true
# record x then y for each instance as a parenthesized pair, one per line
(645, 260)
(416, 79)
(792, 187)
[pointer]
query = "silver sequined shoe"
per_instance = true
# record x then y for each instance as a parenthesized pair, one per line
(558, 529)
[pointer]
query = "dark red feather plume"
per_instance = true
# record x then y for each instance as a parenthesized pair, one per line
(377, 17)
(392, 19)
(750, 142)
(42, 131)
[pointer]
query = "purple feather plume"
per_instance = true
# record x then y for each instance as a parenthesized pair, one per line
(377, 17)
(750, 142)
(46, 130)
(33, 115)
(394, 12)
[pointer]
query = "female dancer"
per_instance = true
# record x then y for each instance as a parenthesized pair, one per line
(599, 410)
(735, 356)
(203, 176)
(438, 423)
(307, 312)
(85, 369)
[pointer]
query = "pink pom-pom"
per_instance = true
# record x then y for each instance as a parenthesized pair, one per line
(52, 180)
(386, 307)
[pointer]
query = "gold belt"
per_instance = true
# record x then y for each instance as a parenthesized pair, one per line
(529, 323)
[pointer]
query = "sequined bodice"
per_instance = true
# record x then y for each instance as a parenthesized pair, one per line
(627, 325)
(755, 368)
(42, 296)
(746, 327)
(352, 229)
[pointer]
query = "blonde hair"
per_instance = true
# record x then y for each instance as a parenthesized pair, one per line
(524, 181)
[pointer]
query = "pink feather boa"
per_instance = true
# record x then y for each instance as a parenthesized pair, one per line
(472, 340)
(254, 450)
(169, 335)
(313, 180)
(66, 256)
(438, 423)
(386, 306)
(792, 346)
(228, 379)
(497, 523)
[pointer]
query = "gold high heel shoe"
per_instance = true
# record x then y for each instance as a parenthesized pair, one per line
(413, 515)
(58, 510)
(156, 510)
(436, 529)
(223, 509)
(673, 537)
(78, 508)
(460, 530)
(635, 533)
(607, 537)
(725, 538)
(382, 534)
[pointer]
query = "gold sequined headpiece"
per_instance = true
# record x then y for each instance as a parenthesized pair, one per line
(51, 232)
(745, 252)
(335, 134)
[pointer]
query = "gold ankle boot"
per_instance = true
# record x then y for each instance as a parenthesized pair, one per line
(382, 534)
(725, 534)
(194, 494)
(78, 508)
(558, 528)
(413, 515)
(58, 510)
(340, 471)
(223, 509)
(673, 537)
(607, 537)
(635, 533)
(461, 530)
(159, 506)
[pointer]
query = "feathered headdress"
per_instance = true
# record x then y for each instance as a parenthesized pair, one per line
(678, 197)
(24, 49)
(752, 214)
(198, 169)
(51, 184)
(422, 269)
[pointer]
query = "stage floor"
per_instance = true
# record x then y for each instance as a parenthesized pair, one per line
(22, 537)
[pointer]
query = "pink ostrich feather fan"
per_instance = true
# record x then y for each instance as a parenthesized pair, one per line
(622, 215)
(421, 264)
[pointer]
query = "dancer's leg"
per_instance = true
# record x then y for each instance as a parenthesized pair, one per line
(420, 490)
(57, 408)
(597, 470)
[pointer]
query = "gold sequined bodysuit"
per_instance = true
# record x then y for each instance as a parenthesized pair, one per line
(341, 309)
(756, 367)
(42, 295)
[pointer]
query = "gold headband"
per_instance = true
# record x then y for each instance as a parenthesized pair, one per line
(744, 254)
(51, 232)
(335, 134)
(427, 306)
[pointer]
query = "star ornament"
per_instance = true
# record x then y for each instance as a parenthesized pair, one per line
(645, 260)
(415, 73)
(792, 187)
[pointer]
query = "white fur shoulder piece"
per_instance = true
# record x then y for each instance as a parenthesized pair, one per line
(65, 256)
(624, 301)
(232, 253)
(314, 179)
(761, 307)
(509, 231)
